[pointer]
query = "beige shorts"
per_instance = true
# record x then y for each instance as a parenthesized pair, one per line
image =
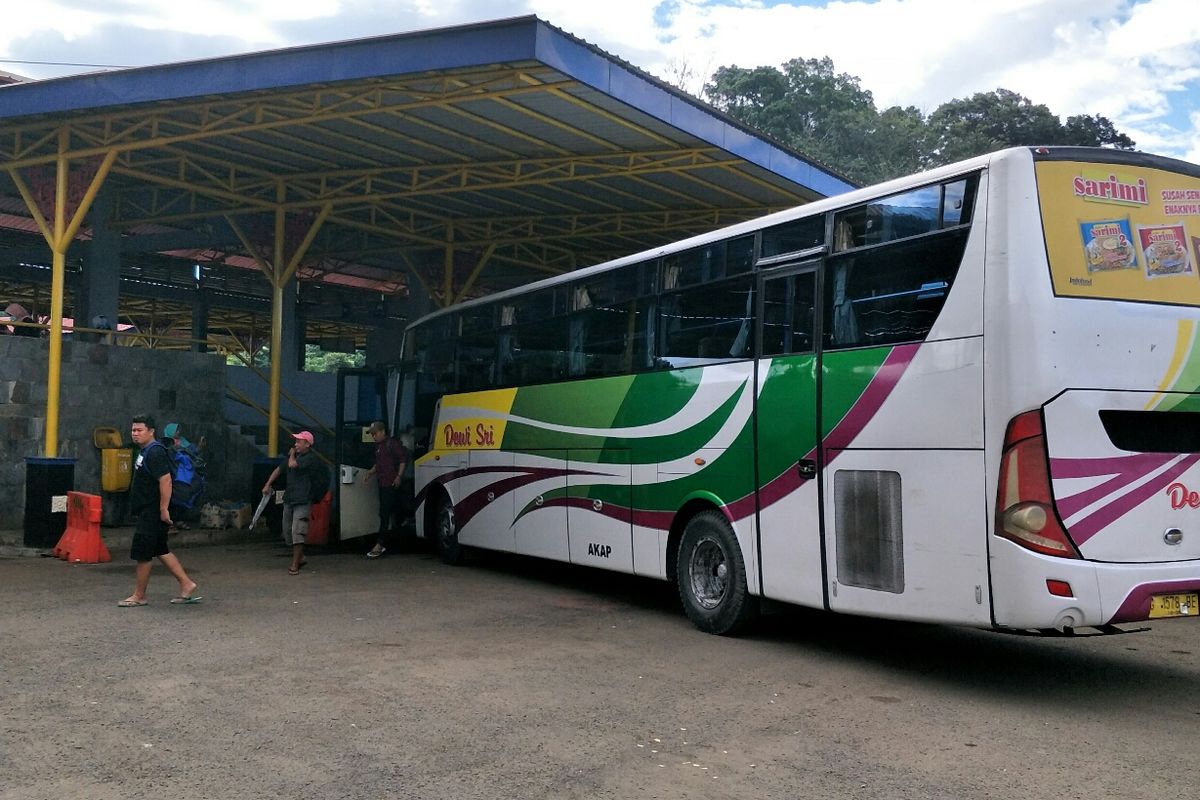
(295, 522)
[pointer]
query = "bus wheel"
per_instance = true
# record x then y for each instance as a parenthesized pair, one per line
(448, 548)
(712, 576)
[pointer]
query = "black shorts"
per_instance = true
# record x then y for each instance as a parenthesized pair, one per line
(150, 536)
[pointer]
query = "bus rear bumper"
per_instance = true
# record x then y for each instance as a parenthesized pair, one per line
(1100, 593)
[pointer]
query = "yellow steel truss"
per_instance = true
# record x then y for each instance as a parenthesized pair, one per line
(421, 166)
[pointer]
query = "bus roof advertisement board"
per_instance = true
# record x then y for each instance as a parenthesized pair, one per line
(1121, 232)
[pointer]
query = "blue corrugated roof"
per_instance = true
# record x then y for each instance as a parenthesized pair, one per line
(516, 40)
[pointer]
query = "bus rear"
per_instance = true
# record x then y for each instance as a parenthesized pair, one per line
(1093, 388)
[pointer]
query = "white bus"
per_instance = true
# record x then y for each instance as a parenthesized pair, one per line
(971, 396)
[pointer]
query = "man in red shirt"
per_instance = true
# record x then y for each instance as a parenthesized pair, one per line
(391, 459)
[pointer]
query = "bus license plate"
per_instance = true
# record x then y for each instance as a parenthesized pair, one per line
(1174, 605)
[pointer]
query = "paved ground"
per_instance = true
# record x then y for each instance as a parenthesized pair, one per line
(521, 679)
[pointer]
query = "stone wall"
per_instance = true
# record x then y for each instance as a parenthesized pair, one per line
(105, 385)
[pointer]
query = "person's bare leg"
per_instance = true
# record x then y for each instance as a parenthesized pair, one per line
(186, 584)
(141, 582)
(297, 557)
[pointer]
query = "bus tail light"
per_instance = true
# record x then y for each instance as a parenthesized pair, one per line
(1024, 503)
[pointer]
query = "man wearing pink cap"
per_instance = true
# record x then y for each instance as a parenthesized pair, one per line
(307, 482)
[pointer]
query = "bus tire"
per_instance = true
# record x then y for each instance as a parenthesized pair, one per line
(446, 534)
(711, 576)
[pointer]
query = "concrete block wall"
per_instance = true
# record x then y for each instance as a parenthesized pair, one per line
(105, 385)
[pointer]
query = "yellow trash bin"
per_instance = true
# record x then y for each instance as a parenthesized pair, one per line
(116, 460)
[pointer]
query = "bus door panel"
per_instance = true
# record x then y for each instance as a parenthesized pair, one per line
(483, 503)
(789, 517)
(902, 534)
(599, 513)
(541, 521)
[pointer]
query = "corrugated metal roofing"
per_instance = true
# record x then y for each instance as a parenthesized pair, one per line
(511, 142)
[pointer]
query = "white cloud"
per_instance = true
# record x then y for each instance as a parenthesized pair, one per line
(1136, 62)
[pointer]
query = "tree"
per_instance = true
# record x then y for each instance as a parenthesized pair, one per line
(831, 119)
(899, 145)
(806, 105)
(1086, 131)
(317, 360)
(989, 121)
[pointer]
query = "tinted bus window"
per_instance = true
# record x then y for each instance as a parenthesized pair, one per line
(435, 342)
(707, 324)
(896, 217)
(534, 353)
(957, 203)
(890, 294)
(788, 313)
(794, 236)
(611, 339)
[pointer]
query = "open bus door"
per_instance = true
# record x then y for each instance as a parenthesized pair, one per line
(362, 398)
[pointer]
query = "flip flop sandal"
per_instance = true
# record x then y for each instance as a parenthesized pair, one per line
(132, 603)
(180, 601)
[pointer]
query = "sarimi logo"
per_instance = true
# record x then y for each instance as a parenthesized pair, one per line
(1111, 188)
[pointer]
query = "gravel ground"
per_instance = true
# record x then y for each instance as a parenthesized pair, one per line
(516, 678)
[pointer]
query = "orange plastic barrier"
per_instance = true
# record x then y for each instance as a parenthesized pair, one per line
(318, 521)
(81, 542)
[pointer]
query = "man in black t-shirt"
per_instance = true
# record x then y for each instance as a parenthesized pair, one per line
(307, 483)
(149, 499)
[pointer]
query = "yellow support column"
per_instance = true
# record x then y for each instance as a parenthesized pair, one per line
(281, 274)
(277, 283)
(59, 238)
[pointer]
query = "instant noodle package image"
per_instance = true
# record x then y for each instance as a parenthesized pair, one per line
(1165, 248)
(1108, 245)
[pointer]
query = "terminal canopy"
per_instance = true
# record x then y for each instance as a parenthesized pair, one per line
(468, 159)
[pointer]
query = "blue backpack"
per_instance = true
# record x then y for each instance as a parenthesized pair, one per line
(189, 476)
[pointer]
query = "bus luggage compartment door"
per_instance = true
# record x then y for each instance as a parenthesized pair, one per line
(541, 521)
(485, 508)
(599, 513)
(906, 534)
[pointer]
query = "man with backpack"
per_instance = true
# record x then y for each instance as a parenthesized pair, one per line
(150, 500)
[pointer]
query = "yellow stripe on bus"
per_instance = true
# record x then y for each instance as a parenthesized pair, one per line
(1183, 346)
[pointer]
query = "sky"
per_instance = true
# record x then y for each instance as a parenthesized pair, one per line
(1136, 62)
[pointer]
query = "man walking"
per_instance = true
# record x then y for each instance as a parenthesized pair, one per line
(391, 459)
(150, 499)
(307, 483)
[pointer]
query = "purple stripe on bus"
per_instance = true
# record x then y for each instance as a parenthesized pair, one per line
(1136, 606)
(473, 503)
(872, 398)
(1099, 520)
(1096, 467)
(851, 425)
(1125, 470)
(847, 429)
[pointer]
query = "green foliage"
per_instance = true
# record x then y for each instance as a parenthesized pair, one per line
(831, 119)
(317, 360)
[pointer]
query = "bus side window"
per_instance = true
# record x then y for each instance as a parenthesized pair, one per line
(706, 324)
(610, 339)
(789, 305)
(892, 293)
(540, 351)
